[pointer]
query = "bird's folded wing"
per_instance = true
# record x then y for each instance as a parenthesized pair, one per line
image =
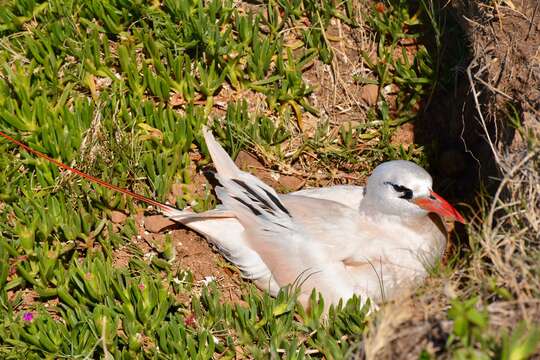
(222, 228)
(241, 188)
(271, 231)
(286, 249)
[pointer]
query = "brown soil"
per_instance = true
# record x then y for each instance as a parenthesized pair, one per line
(193, 253)
(282, 183)
(336, 92)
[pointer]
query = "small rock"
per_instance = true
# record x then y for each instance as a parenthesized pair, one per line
(118, 217)
(156, 223)
(289, 183)
(404, 135)
(245, 161)
(369, 93)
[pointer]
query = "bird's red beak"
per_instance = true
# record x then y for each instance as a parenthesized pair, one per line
(435, 203)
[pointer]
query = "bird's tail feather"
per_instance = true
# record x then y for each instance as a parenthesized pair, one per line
(246, 197)
(242, 189)
(222, 161)
(187, 215)
(166, 209)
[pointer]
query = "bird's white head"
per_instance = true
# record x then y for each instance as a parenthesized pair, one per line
(404, 189)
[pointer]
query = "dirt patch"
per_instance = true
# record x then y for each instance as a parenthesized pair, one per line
(336, 92)
(157, 223)
(194, 253)
(506, 42)
(121, 257)
(404, 135)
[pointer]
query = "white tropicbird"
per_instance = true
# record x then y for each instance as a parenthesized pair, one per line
(340, 240)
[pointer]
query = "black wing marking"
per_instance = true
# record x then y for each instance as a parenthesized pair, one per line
(248, 205)
(264, 203)
(276, 201)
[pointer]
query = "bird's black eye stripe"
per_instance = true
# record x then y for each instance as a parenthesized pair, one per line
(407, 193)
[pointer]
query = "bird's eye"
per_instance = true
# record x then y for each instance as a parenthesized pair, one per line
(407, 193)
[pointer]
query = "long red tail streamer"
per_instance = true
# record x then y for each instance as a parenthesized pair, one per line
(86, 176)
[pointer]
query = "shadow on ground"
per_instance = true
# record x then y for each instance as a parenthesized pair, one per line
(490, 74)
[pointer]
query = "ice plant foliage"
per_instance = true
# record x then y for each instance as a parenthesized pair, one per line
(121, 89)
